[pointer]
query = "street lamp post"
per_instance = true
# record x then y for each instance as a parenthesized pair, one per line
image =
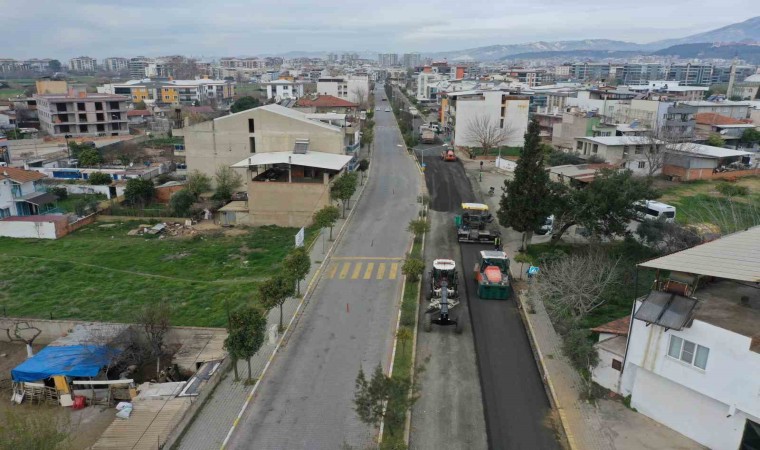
(68, 149)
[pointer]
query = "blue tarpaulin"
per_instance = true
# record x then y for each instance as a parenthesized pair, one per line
(72, 361)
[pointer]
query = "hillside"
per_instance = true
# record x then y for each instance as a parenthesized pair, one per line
(749, 30)
(749, 53)
(499, 52)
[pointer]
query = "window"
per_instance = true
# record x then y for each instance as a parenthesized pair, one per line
(617, 365)
(98, 106)
(251, 128)
(83, 128)
(639, 150)
(688, 352)
(253, 144)
(83, 117)
(642, 164)
(101, 127)
(80, 107)
(596, 148)
(578, 145)
(5, 212)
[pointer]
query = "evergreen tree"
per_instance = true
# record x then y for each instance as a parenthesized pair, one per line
(525, 202)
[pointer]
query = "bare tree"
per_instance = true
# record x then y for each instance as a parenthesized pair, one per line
(23, 332)
(360, 97)
(155, 320)
(572, 286)
(487, 132)
(658, 146)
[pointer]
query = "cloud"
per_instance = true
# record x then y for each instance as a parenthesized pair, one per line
(101, 28)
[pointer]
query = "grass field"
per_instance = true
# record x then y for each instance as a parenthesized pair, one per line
(699, 202)
(68, 205)
(100, 273)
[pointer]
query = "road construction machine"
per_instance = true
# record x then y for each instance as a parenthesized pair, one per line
(448, 155)
(492, 275)
(443, 296)
(473, 225)
(444, 270)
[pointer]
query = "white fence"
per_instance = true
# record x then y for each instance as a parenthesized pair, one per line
(34, 230)
(505, 164)
(90, 189)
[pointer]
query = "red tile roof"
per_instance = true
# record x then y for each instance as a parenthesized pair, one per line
(138, 113)
(20, 175)
(718, 119)
(619, 327)
(325, 101)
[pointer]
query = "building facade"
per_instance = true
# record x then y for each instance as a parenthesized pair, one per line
(115, 64)
(79, 113)
(354, 88)
(21, 194)
(175, 92)
(83, 64)
(508, 112)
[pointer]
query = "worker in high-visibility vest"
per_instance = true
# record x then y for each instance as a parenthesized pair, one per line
(497, 243)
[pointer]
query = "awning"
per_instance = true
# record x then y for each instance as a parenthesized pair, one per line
(39, 198)
(330, 161)
(71, 361)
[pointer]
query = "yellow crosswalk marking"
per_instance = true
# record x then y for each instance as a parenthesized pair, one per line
(357, 271)
(380, 271)
(368, 272)
(394, 271)
(332, 270)
(344, 271)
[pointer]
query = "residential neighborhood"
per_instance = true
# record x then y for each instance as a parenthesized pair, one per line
(380, 226)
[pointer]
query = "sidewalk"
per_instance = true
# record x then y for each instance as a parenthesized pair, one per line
(604, 425)
(215, 419)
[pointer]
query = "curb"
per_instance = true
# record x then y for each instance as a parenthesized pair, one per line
(297, 313)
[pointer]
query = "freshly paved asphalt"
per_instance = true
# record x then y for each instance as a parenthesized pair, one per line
(306, 398)
(517, 410)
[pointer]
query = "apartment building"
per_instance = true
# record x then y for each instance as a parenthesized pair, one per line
(590, 71)
(691, 354)
(411, 60)
(387, 59)
(79, 113)
(627, 152)
(289, 160)
(22, 195)
(354, 88)
(574, 123)
(137, 66)
(279, 90)
(500, 108)
(174, 92)
(242, 63)
(83, 64)
(668, 91)
(530, 77)
(638, 74)
(115, 64)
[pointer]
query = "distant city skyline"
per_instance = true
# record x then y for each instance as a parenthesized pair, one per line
(68, 28)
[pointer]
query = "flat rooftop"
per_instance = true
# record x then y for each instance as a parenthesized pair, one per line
(720, 305)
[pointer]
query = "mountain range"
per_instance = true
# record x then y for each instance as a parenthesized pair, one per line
(747, 31)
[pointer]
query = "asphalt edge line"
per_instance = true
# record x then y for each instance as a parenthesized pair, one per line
(546, 377)
(307, 293)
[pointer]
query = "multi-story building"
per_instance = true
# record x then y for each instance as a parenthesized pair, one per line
(83, 64)
(590, 71)
(21, 194)
(468, 111)
(279, 90)
(242, 63)
(332, 58)
(387, 59)
(689, 74)
(624, 151)
(137, 66)
(354, 88)
(185, 92)
(115, 64)
(748, 89)
(529, 77)
(641, 74)
(79, 113)
(290, 159)
(412, 60)
(689, 354)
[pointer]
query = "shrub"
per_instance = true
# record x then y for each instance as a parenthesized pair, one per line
(181, 203)
(413, 268)
(100, 178)
(579, 349)
(732, 190)
(60, 192)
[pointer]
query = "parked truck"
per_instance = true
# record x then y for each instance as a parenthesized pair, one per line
(427, 136)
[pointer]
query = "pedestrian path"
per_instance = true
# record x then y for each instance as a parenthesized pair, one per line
(345, 268)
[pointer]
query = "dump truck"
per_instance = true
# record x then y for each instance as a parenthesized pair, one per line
(473, 224)
(492, 275)
(427, 136)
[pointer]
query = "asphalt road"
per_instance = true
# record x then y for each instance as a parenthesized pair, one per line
(449, 412)
(517, 410)
(306, 399)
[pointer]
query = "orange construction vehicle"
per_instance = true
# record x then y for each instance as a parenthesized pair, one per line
(448, 155)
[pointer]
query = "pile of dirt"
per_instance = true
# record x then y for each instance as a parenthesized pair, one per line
(164, 229)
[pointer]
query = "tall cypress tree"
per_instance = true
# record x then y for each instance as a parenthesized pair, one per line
(525, 201)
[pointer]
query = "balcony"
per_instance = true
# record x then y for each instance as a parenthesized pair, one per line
(351, 149)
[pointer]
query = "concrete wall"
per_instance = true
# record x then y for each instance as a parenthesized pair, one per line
(285, 204)
(35, 230)
(226, 140)
(91, 189)
(684, 174)
(603, 374)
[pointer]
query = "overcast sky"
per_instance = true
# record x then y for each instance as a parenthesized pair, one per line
(204, 28)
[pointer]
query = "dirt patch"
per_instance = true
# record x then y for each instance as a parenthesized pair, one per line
(176, 256)
(235, 232)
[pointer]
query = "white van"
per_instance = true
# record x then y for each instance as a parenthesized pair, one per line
(654, 210)
(546, 227)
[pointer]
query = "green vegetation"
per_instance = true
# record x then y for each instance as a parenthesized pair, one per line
(732, 190)
(101, 273)
(162, 142)
(74, 202)
(716, 140)
(100, 178)
(402, 399)
(227, 181)
(244, 103)
(246, 333)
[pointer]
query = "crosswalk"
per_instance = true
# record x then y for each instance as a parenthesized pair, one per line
(359, 268)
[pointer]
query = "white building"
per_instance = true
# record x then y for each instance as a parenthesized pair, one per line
(507, 111)
(115, 64)
(83, 64)
(626, 151)
(427, 84)
(354, 88)
(692, 358)
(284, 90)
(21, 195)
